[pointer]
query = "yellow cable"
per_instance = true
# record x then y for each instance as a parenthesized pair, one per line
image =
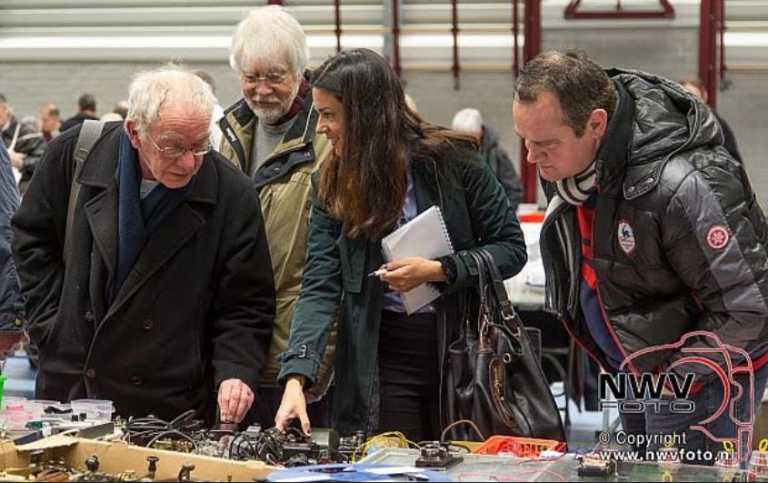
(385, 439)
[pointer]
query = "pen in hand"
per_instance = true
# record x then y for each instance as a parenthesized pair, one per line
(378, 273)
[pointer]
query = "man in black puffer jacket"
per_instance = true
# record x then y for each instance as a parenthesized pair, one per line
(652, 233)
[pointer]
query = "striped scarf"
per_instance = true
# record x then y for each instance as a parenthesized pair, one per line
(576, 189)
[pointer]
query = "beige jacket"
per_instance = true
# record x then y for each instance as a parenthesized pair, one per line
(284, 185)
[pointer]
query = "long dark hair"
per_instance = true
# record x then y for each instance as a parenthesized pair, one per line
(364, 187)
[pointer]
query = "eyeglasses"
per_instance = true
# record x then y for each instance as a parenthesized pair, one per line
(175, 152)
(271, 78)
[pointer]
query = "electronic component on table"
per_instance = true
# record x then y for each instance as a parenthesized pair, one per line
(435, 454)
(348, 445)
(596, 466)
(758, 465)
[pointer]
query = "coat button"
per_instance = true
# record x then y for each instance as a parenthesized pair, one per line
(148, 324)
(136, 381)
(90, 373)
(89, 316)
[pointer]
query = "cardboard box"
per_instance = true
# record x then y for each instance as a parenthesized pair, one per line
(118, 457)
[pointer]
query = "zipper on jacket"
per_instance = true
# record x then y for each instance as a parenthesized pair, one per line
(439, 188)
(498, 382)
(234, 141)
(606, 320)
(609, 326)
(554, 303)
(572, 262)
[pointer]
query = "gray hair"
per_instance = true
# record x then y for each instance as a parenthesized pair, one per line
(468, 120)
(269, 34)
(150, 90)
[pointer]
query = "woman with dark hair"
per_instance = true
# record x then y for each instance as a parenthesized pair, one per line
(387, 166)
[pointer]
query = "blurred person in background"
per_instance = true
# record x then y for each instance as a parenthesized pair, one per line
(31, 146)
(86, 109)
(121, 109)
(471, 121)
(50, 122)
(11, 302)
(697, 88)
(23, 140)
(218, 111)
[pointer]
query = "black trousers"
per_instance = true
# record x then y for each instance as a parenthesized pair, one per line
(409, 377)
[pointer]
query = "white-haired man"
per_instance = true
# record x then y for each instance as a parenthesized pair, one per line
(270, 135)
(471, 121)
(157, 291)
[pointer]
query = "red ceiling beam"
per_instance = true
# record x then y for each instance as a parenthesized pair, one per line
(515, 33)
(455, 68)
(721, 36)
(572, 11)
(710, 54)
(396, 37)
(337, 18)
(531, 48)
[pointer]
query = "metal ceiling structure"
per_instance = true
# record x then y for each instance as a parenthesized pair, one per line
(574, 10)
(436, 35)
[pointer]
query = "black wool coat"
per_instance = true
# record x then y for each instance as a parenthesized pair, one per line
(196, 309)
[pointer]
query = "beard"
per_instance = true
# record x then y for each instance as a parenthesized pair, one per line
(269, 116)
(274, 114)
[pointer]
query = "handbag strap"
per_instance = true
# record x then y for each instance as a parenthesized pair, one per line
(498, 289)
(485, 309)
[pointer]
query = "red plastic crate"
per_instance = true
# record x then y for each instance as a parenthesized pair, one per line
(531, 217)
(520, 447)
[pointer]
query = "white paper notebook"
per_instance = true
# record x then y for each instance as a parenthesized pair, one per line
(425, 236)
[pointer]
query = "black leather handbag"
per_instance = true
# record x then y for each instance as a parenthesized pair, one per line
(494, 376)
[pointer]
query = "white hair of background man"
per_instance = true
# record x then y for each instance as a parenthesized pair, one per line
(150, 90)
(269, 35)
(468, 120)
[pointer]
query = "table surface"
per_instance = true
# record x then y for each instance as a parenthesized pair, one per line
(526, 289)
(509, 468)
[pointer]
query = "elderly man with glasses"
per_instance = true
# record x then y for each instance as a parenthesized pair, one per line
(270, 135)
(145, 267)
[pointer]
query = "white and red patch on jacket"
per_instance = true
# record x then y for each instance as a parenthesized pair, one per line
(626, 237)
(718, 237)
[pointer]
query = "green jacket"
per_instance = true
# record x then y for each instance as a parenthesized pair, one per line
(284, 188)
(477, 213)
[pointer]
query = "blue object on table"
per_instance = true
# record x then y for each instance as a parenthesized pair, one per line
(356, 472)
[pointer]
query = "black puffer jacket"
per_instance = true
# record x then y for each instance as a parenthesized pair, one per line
(678, 236)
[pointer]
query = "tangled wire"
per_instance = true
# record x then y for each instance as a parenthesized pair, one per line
(147, 431)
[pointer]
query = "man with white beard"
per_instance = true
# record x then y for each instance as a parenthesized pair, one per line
(270, 135)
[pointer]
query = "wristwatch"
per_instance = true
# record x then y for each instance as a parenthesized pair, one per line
(449, 268)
